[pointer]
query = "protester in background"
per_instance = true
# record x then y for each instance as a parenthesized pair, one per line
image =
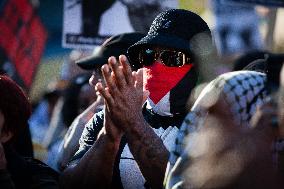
(115, 45)
(127, 146)
(44, 115)
(78, 97)
(73, 100)
(23, 145)
(241, 93)
(41, 116)
(223, 155)
(15, 170)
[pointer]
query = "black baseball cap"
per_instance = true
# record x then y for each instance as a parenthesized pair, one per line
(113, 46)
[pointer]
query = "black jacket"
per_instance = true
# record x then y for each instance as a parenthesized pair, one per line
(26, 173)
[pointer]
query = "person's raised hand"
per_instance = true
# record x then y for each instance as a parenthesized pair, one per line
(123, 92)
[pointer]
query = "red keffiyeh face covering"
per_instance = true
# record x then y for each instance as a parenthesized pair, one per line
(159, 79)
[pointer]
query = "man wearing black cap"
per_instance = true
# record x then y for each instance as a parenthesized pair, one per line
(134, 143)
(115, 46)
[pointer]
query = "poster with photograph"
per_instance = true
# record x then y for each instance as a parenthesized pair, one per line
(236, 28)
(88, 23)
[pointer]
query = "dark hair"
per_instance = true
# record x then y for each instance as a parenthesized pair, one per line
(271, 65)
(274, 65)
(244, 60)
(14, 105)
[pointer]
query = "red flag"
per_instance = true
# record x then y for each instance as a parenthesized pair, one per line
(22, 37)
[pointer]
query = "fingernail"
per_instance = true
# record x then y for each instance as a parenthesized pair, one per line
(99, 84)
(112, 60)
(122, 57)
(105, 68)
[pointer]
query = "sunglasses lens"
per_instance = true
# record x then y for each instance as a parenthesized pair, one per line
(168, 57)
(146, 57)
(172, 58)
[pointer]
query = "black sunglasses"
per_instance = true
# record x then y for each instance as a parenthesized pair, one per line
(169, 58)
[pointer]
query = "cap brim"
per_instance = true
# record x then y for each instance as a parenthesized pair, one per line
(163, 40)
(91, 62)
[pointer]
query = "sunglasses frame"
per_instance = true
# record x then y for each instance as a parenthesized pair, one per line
(158, 53)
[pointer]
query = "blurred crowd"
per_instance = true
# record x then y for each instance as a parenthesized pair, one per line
(183, 106)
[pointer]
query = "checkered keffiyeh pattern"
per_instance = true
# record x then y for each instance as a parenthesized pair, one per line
(243, 90)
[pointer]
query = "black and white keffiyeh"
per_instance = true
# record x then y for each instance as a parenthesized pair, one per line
(243, 91)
